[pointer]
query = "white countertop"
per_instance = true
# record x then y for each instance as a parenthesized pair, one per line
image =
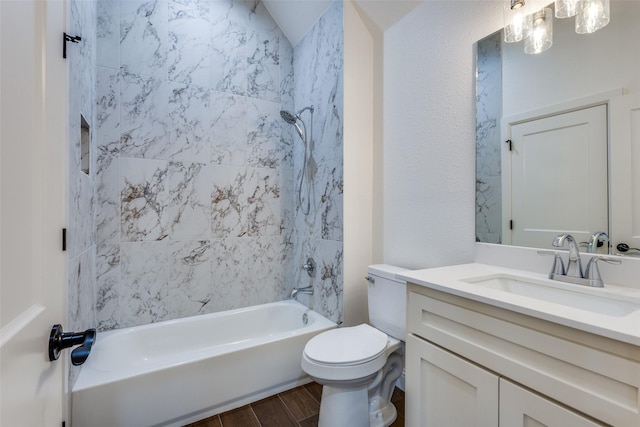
(451, 279)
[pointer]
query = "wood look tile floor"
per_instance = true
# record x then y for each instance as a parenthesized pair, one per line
(298, 407)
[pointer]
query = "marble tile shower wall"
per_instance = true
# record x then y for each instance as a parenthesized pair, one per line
(81, 236)
(318, 69)
(195, 206)
(489, 112)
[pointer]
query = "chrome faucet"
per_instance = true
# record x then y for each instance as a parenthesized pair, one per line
(596, 238)
(574, 265)
(308, 290)
(573, 272)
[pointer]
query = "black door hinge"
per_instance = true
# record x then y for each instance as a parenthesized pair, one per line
(64, 239)
(508, 141)
(67, 38)
(510, 224)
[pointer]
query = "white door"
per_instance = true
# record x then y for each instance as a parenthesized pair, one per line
(447, 391)
(625, 172)
(521, 408)
(559, 177)
(32, 209)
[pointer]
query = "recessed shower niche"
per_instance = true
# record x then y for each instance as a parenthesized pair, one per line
(85, 145)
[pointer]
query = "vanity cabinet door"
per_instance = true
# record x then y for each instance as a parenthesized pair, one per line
(520, 407)
(443, 390)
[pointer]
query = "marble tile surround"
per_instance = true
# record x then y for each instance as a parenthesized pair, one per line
(318, 65)
(489, 112)
(81, 228)
(195, 168)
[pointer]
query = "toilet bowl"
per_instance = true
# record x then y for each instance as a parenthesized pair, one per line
(358, 366)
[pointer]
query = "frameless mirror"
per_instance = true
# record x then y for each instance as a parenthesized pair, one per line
(559, 109)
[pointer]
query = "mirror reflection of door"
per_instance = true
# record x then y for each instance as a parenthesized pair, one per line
(558, 179)
(625, 173)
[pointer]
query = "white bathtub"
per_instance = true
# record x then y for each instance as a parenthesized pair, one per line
(176, 372)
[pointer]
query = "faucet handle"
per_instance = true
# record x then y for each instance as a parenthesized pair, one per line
(557, 268)
(592, 272)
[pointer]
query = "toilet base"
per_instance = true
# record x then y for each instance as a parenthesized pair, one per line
(344, 407)
(384, 416)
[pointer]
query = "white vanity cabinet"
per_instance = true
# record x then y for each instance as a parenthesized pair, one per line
(522, 408)
(469, 363)
(445, 390)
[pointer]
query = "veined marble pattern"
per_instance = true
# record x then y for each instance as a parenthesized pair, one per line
(144, 37)
(82, 279)
(108, 33)
(228, 128)
(318, 70)
(328, 278)
(287, 78)
(321, 85)
(189, 278)
(108, 310)
(143, 287)
(81, 229)
(246, 202)
(164, 200)
(107, 193)
(81, 293)
(318, 67)
(230, 34)
(242, 268)
(196, 175)
(189, 42)
(144, 108)
(264, 140)
(488, 148)
(330, 193)
(108, 107)
(189, 123)
(263, 63)
(81, 232)
(488, 223)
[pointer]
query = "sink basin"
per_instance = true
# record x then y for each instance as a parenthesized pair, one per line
(595, 300)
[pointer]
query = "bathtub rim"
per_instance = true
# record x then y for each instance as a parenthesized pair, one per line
(105, 377)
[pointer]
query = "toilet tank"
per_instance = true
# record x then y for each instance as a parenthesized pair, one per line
(387, 300)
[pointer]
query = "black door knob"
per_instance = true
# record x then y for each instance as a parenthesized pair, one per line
(59, 340)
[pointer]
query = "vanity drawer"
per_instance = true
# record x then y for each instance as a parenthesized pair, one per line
(594, 375)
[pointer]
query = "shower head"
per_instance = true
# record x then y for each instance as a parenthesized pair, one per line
(292, 120)
(288, 117)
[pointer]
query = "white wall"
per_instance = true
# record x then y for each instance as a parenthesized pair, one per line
(359, 46)
(429, 132)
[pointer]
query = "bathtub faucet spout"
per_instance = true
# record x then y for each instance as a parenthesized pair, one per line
(307, 290)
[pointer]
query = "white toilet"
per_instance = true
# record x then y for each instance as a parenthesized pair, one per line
(358, 366)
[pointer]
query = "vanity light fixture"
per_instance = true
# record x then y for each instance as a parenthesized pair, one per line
(541, 37)
(567, 8)
(518, 23)
(523, 22)
(593, 15)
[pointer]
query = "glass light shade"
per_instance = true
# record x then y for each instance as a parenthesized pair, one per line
(567, 8)
(541, 37)
(593, 15)
(517, 23)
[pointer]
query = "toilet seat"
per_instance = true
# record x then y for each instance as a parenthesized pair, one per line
(346, 353)
(347, 346)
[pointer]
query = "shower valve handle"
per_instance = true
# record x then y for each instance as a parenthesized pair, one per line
(309, 267)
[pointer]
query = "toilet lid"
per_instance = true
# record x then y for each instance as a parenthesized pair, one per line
(343, 346)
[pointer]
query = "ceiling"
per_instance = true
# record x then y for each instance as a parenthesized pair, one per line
(296, 17)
